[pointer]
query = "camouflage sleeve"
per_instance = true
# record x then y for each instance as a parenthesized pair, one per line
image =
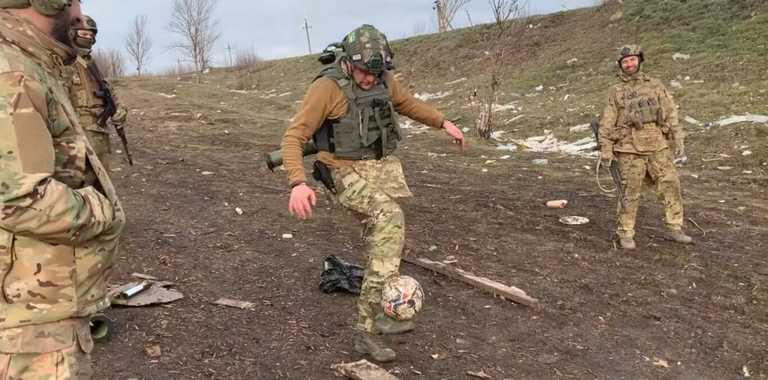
(607, 131)
(406, 104)
(121, 114)
(671, 118)
(32, 203)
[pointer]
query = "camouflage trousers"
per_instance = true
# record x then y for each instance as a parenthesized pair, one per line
(55, 351)
(370, 189)
(659, 167)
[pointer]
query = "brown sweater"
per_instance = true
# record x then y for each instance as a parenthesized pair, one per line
(325, 100)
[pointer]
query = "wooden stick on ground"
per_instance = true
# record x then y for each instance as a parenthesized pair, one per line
(510, 293)
(704, 233)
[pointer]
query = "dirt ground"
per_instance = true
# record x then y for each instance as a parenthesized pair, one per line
(664, 311)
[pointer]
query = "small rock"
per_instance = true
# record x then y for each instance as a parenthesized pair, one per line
(746, 172)
(239, 211)
(539, 88)
(724, 168)
(573, 61)
(153, 351)
(206, 173)
(745, 371)
(675, 84)
(746, 153)
(505, 157)
(680, 57)
(433, 248)
(661, 363)
(540, 162)
(287, 236)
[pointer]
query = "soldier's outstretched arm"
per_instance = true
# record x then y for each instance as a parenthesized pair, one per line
(32, 202)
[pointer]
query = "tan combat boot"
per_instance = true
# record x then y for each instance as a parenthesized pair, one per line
(627, 243)
(375, 346)
(389, 326)
(679, 236)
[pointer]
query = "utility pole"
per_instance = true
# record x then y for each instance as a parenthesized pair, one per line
(306, 28)
(229, 51)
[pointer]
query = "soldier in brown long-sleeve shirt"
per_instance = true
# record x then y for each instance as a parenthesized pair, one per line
(350, 112)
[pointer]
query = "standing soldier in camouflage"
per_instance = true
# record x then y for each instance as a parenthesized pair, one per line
(91, 95)
(58, 236)
(350, 112)
(638, 127)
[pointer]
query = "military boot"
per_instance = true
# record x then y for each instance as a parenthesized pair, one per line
(375, 346)
(679, 236)
(627, 243)
(388, 326)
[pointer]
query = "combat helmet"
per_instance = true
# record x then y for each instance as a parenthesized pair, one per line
(367, 48)
(44, 7)
(82, 44)
(630, 50)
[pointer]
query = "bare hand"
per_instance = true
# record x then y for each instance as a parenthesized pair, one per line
(303, 199)
(454, 131)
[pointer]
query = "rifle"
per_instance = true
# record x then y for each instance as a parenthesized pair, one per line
(613, 168)
(110, 107)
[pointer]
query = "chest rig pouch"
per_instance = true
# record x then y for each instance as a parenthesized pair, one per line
(369, 130)
(645, 116)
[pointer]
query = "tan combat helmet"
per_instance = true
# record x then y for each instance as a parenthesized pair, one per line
(367, 48)
(631, 50)
(44, 7)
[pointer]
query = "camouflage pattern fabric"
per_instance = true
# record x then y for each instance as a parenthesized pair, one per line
(64, 353)
(659, 167)
(370, 188)
(58, 236)
(368, 48)
(626, 128)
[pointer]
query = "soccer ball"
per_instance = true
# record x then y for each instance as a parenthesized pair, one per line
(402, 297)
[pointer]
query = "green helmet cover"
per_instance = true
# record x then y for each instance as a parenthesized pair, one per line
(367, 48)
(631, 50)
(44, 7)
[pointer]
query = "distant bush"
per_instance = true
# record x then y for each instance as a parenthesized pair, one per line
(246, 58)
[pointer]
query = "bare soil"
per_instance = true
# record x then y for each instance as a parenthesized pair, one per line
(663, 311)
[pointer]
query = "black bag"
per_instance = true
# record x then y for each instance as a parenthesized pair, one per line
(339, 275)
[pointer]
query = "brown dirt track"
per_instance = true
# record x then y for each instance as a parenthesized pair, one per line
(605, 314)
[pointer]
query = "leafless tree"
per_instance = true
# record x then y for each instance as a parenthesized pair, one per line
(196, 25)
(446, 12)
(245, 58)
(110, 62)
(508, 15)
(139, 43)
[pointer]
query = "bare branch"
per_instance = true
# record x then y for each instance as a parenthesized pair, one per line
(110, 62)
(194, 22)
(446, 12)
(139, 43)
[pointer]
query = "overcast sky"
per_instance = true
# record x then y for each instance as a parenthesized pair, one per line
(274, 28)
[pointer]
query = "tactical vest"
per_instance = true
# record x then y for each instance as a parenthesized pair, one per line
(369, 130)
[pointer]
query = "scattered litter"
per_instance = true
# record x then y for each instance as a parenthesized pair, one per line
(746, 153)
(755, 119)
(144, 293)
(565, 98)
(455, 81)
(465, 129)
(287, 236)
(724, 168)
(505, 157)
(550, 144)
(433, 248)
(580, 128)
(496, 135)
(572, 61)
(680, 57)
(167, 95)
(339, 275)
(144, 276)
(206, 173)
(506, 107)
(675, 84)
(235, 303)
(745, 371)
(435, 356)
(450, 260)
(484, 170)
(427, 96)
(510, 147)
(693, 121)
(661, 363)
(479, 375)
(721, 201)
(488, 162)
(362, 370)
(561, 203)
(153, 352)
(284, 94)
(239, 211)
(540, 161)
(539, 88)
(746, 172)
(573, 220)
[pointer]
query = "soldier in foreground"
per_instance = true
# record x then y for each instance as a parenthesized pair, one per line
(58, 237)
(349, 111)
(639, 128)
(92, 96)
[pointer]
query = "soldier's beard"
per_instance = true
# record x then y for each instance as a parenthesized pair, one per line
(61, 27)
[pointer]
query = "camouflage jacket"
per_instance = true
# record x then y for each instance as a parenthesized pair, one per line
(57, 237)
(83, 90)
(640, 116)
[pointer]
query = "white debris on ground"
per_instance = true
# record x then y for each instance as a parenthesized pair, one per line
(549, 144)
(427, 96)
(580, 128)
(240, 92)
(167, 95)
(513, 106)
(748, 118)
(455, 81)
(693, 121)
